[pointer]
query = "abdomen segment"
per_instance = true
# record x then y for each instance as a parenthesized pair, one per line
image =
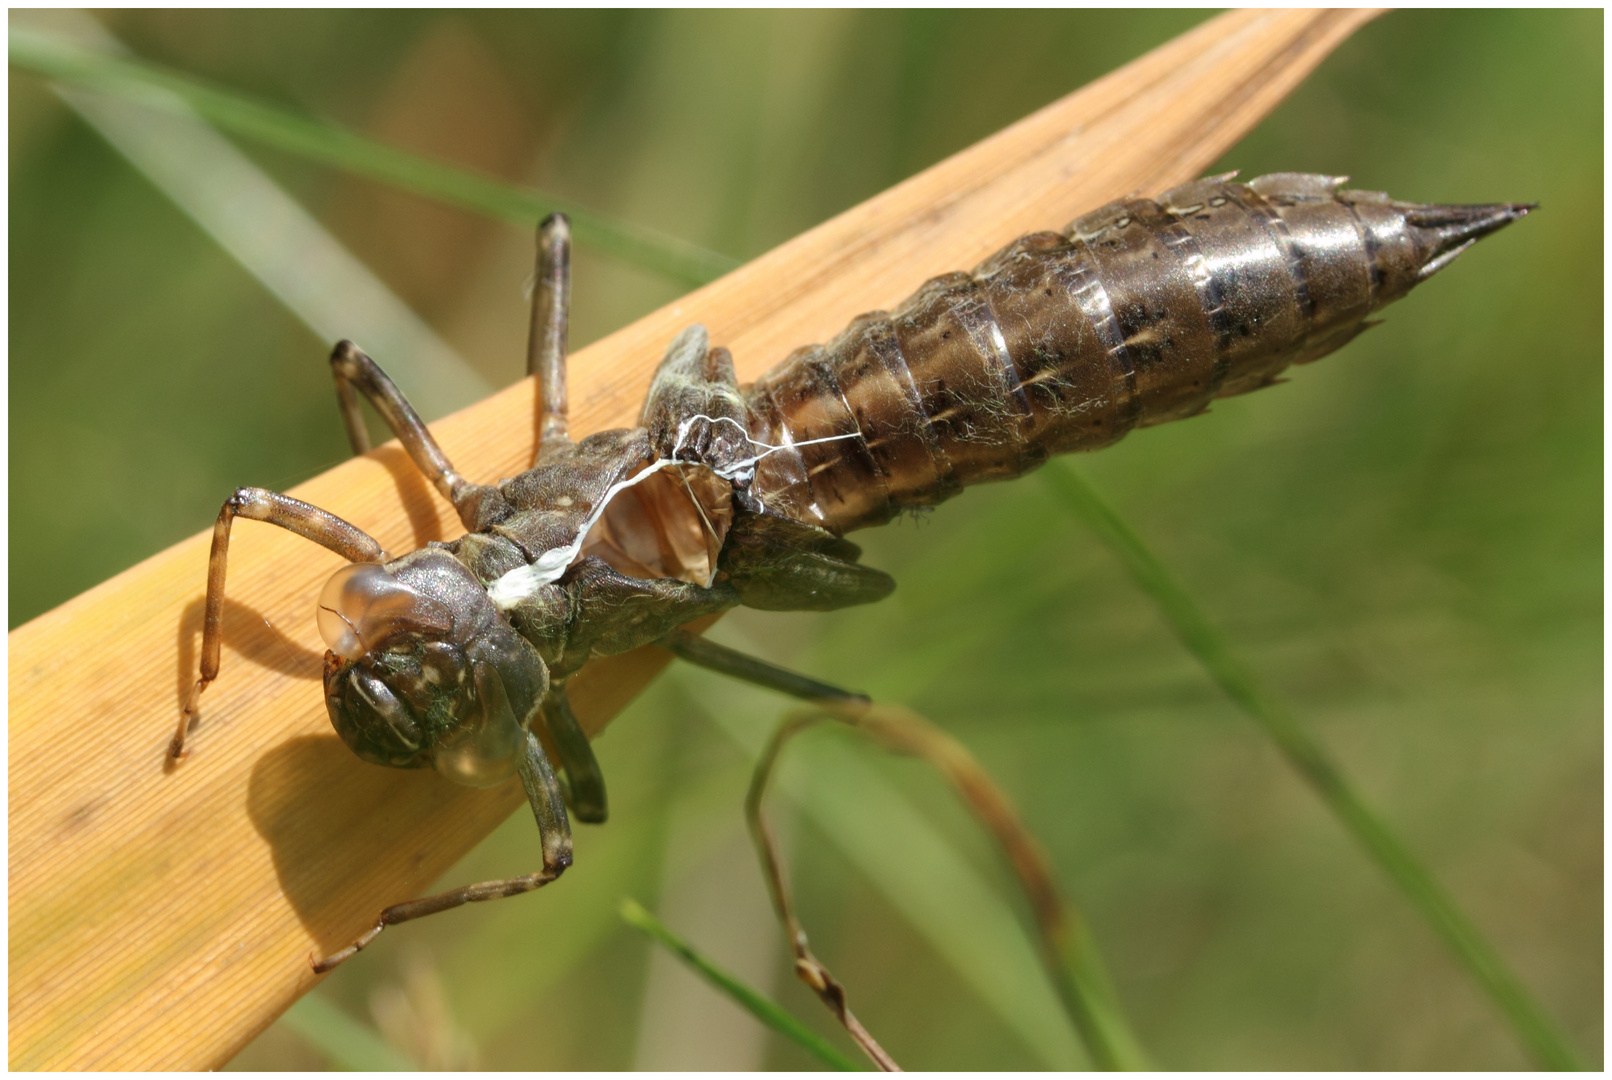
(1140, 312)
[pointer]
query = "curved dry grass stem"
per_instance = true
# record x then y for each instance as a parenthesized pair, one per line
(1074, 964)
(808, 968)
(160, 920)
(1066, 949)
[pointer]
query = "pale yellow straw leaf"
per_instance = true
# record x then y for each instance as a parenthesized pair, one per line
(160, 919)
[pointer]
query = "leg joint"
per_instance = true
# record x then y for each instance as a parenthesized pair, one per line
(345, 358)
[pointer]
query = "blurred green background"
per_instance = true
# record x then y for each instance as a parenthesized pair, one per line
(1405, 541)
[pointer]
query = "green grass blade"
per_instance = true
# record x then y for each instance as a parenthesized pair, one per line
(56, 57)
(1536, 1030)
(1089, 997)
(758, 1005)
(347, 1043)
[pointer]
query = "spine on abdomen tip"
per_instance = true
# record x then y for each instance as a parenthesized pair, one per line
(1137, 313)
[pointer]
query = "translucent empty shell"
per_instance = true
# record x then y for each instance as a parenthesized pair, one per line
(363, 603)
(483, 753)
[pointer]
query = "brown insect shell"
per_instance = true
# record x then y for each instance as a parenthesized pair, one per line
(1140, 312)
(456, 688)
(454, 693)
(419, 692)
(650, 530)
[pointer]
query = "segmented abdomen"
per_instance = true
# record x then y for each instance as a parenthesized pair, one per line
(1137, 313)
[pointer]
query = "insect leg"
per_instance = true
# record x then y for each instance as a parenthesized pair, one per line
(725, 661)
(584, 779)
(546, 348)
(478, 504)
(548, 805)
(304, 519)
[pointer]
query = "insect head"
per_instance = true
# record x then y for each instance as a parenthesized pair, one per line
(423, 670)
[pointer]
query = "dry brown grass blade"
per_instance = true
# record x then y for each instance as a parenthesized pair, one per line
(161, 919)
(1072, 965)
(808, 968)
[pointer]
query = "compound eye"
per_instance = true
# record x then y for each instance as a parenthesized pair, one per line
(387, 713)
(363, 604)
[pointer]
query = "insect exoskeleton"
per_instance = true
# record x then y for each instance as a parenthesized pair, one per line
(1140, 312)
(1143, 311)
(422, 670)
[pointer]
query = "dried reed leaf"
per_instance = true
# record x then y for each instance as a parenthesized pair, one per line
(161, 919)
